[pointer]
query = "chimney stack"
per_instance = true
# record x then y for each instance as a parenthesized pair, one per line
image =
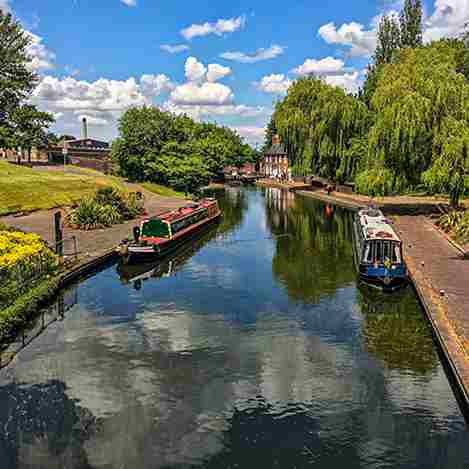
(84, 129)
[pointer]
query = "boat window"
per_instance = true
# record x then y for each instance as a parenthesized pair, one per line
(386, 250)
(186, 222)
(379, 252)
(396, 253)
(155, 228)
(367, 253)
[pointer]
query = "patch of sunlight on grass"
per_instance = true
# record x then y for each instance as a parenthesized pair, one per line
(161, 190)
(24, 190)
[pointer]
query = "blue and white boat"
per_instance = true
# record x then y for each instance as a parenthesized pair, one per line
(378, 253)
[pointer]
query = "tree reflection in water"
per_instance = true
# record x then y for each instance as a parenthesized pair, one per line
(316, 258)
(42, 427)
(395, 332)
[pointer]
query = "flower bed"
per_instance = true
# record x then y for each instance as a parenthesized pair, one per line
(24, 259)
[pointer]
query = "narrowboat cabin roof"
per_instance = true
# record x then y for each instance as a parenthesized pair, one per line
(181, 212)
(376, 226)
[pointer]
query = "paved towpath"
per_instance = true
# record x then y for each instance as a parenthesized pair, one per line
(441, 276)
(91, 243)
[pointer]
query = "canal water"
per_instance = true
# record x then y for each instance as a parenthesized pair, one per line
(254, 347)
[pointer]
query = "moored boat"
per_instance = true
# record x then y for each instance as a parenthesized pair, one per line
(378, 252)
(158, 236)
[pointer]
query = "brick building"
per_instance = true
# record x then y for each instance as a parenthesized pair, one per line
(84, 152)
(275, 163)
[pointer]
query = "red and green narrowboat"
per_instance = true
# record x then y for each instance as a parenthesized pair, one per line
(158, 236)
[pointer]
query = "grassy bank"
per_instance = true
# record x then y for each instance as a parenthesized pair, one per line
(17, 316)
(161, 190)
(25, 190)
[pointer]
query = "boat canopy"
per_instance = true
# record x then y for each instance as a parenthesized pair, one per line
(375, 226)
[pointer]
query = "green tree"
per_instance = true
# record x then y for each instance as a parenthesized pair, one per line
(174, 150)
(317, 123)
(450, 167)
(270, 131)
(413, 98)
(388, 43)
(29, 127)
(17, 81)
(411, 24)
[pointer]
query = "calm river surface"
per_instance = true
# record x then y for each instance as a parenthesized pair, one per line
(254, 348)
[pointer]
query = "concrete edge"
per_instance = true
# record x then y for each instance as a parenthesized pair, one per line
(462, 394)
(331, 199)
(85, 268)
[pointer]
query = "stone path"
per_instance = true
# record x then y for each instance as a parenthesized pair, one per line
(441, 276)
(90, 243)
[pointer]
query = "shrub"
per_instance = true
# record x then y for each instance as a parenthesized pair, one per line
(91, 215)
(456, 223)
(462, 229)
(24, 257)
(15, 316)
(449, 221)
(108, 207)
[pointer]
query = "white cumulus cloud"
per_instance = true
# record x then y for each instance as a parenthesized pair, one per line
(220, 27)
(41, 57)
(129, 3)
(275, 83)
(92, 120)
(198, 111)
(362, 42)
(217, 72)
(447, 20)
(251, 134)
(208, 94)
(350, 82)
(195, 70)
(174, 49)
(154, 85)
(258, 56)
(328, 65)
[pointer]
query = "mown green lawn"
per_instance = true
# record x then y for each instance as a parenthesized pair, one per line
(24, 190)
(161, 190)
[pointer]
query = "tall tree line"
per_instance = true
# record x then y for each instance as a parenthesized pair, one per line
(21, 123)
(407, 128)
(161, 147)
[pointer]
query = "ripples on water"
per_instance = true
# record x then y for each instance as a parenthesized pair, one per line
(254, 347)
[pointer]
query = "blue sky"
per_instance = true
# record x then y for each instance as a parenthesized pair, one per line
(218, 61)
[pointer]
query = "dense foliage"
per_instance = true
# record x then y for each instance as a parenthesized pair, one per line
(456, 224)
(408, 127)
(175, 150)
(322, 128)
(108, 207)
(21, 124)
(24, 257)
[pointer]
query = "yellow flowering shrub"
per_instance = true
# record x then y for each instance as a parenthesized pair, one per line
(17, 247)
(24, 258)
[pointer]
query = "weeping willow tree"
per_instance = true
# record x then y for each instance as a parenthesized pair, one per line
(415, 96)
(450, 169)
(321, 127)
